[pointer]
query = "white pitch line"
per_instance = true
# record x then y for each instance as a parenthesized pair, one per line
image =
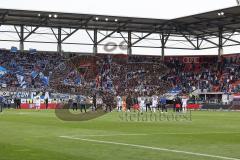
(199, 133)
(146, 134)
(110, 135)
(152, 148)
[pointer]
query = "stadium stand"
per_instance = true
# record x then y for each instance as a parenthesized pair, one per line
(211, 77)
(118, 74)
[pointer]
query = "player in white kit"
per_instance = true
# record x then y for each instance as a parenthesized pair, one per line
(119, 103)
(184, 104)
(154, 103)
(142, 104)
(37, 102)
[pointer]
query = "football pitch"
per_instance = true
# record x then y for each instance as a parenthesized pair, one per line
(39, 135)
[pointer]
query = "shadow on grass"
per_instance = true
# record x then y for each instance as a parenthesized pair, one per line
(63, 112)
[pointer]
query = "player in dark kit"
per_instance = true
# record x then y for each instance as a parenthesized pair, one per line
(94, 102)
(129, 102)
(163, 103)
(108, 100)
(46, 103)
(75, 104)
(82, 103)
(1, 104)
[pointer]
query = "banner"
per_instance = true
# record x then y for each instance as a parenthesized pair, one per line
(24, 95)
(3, 93)
(45, 80)
(34, 74)
(191, 60)
(32, 51)
(13, 63)
(176, 90)
(4, 85)
(41, 75)
(21, 81)
(65, 81)
(78, 81)
(3, 71)
(47, 96)
(14, 50)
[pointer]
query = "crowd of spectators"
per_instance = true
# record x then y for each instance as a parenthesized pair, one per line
(26, 70)
(75, 75)
(136, 75)
(209, 77)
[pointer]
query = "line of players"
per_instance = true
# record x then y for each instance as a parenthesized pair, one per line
(129, 103)
(145, 104)
(7, 102)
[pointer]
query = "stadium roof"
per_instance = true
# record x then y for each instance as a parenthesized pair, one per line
(210, 22)
(220, 24)
(200, 24)
(71, 20)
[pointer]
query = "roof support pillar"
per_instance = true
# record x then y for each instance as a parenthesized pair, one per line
(238, 2)
(21, 45)
(198, 45)
(129, 45)
(220, 43)
(59, 43)
(163, 46)
(95, 42)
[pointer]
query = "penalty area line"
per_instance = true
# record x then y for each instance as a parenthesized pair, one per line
(146, 134)
(149, 147)
(111, 135)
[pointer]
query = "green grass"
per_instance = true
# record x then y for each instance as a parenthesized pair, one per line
(35, 135)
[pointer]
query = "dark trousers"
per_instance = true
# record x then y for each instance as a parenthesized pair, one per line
(1, 107)
(83, 106)
(94, 107)
(164, 108)
(75, 106)
(148, 107)
(174, 107)
(178, 109)
(129, 107)
(181, 108)
(108, 107)
(16, 106)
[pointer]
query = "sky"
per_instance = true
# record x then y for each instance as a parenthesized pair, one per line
(161, 9)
